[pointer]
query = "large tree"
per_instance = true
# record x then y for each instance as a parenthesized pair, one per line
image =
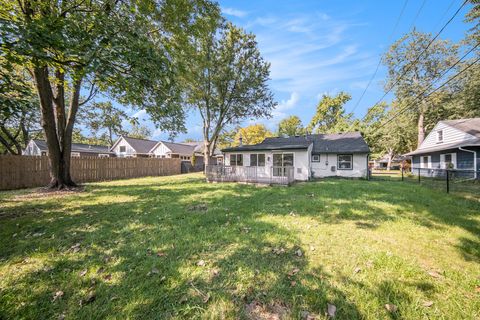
(19, 113)
(252, 134)
(290, 126)
(415, 62)
(122, 48)
(104, 120)
(226, 81)
(330, 115)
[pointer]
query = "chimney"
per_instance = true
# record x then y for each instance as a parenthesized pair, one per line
(240, 140)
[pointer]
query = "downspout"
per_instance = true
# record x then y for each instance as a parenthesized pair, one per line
(474, 160)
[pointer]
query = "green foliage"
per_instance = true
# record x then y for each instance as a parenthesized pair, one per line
(330, 116)
(413, 76)
(252, 134)
(226, 79)
(139, 132)
(290, 126)
(104, 120)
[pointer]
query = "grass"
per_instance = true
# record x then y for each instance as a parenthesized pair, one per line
(134, 249)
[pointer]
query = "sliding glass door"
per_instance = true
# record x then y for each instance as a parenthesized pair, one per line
(281, 163)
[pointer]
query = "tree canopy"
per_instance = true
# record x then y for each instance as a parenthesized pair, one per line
(290, 126)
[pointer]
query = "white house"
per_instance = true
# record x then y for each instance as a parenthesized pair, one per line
(37, 147)
(452, 144)
(300, 157)
(126, 147)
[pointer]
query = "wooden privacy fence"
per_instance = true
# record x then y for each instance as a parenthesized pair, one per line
(27, 171)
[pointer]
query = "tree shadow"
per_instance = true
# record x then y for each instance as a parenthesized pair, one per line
(150, 237)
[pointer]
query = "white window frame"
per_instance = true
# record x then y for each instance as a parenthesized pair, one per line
(74, 154)
(103, 155)
(120, 149)
(236, 155)
(257, 154)
(439, 136)
(443, 164)
(429, 162)
(351, 161)
(315, 158)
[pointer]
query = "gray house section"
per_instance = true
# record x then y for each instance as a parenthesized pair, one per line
(452, 144)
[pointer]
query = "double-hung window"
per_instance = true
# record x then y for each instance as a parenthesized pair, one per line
(345, 162)
(257, 160)
(315, 158)
(236, 159)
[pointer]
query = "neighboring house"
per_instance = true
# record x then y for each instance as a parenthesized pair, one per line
(165, 149)
(382, 163)
(39, 148)
(451, 144)
(132, 147)
(304, 157)
(126, 147)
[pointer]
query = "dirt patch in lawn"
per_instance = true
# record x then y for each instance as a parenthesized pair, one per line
(274, 311)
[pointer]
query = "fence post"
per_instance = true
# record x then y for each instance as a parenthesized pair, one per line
(448, 181)
(418, 175)
(402, 172)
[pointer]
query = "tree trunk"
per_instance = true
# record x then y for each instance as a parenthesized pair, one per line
(390, 156)
(58, 141)
(421, 129)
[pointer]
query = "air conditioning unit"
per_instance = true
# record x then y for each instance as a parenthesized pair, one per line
(333, 168)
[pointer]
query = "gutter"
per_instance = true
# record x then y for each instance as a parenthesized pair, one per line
(474, 160)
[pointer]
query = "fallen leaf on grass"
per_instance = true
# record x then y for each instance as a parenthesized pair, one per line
(293, 272)
(434, 274)
(75, 248)
(428, 304)
(83, 272)
(88, 299)
(299, 253)
(201, 263)
(153, 271)
(206, 298)
(312, 248)
(161, 254)
(100, 270)
(357, 270)
(57, 295)
(107, 277)
(215, 272)
(391, 307)
(293, 283)
(278, 250)
(305, 315)
(477, 289)
(331, 310)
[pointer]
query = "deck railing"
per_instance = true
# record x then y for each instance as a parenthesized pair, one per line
(266, 175)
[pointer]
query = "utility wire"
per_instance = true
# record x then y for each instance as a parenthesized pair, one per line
(423, 51)
(380, 60)
(436, 89)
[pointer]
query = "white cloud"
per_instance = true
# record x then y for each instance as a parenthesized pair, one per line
(139, 114)
(234, 12)
(290, 103)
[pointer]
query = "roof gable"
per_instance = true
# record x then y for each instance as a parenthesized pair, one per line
(76, 147)
(142, 146)
(470, 126)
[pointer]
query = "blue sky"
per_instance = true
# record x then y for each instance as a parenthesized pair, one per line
(318, 47)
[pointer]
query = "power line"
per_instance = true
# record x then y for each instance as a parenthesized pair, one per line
(418, 14)
(380, 60)
(423, 51)
(436, 89)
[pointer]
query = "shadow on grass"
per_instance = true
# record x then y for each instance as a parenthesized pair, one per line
(141, 245)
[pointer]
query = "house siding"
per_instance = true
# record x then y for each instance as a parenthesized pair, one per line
(129, 151)
(161, 151)
(450, 135)
(300, 162)
(465, 160)
(328, 167)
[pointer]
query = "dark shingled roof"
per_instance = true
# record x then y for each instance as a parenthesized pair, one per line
(471, 126)
(179, 147)
(349, 142)
(77, 147)
(140, 145)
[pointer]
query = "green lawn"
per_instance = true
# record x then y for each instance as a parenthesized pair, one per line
(177, 247)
